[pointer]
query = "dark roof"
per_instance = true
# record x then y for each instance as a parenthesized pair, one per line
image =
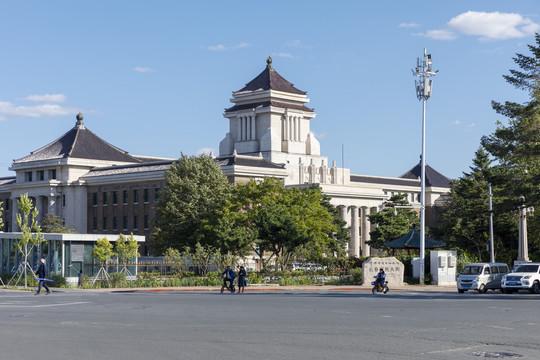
(7, 180)
(269, 79)
(247, 161)
(130, 169)
(79, 142)
(433, 177)
(411, 240)
(384, 180)
(264, 104)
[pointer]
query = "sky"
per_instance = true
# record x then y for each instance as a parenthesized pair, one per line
(154, 77)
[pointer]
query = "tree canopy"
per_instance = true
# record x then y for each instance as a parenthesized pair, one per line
(517, 143)
(390, 226)
(190, 205)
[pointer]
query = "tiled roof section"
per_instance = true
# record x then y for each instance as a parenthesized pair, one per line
(433, 177)
(384, 180)
(130, 169)
(269, 103)
(247, 161)
(269, 79)
(7, 180)
(411, 240)
(79, 142)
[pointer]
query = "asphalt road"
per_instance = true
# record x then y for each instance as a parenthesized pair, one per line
(268, 325)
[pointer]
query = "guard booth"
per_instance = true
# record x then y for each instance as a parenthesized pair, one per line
(64, 254)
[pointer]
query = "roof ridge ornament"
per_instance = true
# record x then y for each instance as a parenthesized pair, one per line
(80, 122)
(269, 63)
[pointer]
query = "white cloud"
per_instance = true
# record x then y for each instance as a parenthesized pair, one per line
(441, 34)
(221, 47)
(281, 54)
(143, 69)
(205, 151)
(494, 25)
(56, 98)
(409, 25)
(8, 110)
(296, 44)
(457, 122)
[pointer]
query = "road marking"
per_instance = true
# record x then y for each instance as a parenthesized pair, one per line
(43, 305)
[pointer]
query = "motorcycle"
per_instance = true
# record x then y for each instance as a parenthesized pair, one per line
(377, 288)
(231, 289)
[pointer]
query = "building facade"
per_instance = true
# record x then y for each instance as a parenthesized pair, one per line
(98, 188)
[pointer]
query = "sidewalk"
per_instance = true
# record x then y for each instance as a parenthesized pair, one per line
(277, 288)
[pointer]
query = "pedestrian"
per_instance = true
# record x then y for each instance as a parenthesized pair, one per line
(80, 276)
(241, 279)
(42, 275)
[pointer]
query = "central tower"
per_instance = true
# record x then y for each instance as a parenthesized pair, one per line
(269, 117)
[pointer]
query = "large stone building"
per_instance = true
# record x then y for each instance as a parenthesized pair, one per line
(98, 188)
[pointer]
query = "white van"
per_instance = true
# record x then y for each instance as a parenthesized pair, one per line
(481, 277)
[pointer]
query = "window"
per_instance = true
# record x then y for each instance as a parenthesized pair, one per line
(6, 204)
(104, 223)
(486, 271)
(94, 199)
(115, 197)
(146, 195)
(40, 175)
(114, 223)
(52, 174)
(64, 200)
(412, 197)
(418, 197)
(94, 226)
(125, 223)
(494, 270)
(135, 196)
(125, 196)
(146, 222)
(105, 199)
(28, 176)
(135, 222)
(157, 194)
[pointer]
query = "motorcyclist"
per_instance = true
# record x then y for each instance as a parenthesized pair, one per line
(380, 279)
(228, 275)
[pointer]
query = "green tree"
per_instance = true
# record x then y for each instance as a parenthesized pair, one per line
(390, 226)
(175, 259)
(31, 235)
(190, 205)
(54, 224)
(103, 250)
(126, 248)
(518, 141)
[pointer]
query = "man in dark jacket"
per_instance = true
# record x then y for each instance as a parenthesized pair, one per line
(42, 274)
(228, 276)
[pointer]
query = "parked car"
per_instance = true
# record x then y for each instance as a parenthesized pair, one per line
(481, 277)
(524, 277)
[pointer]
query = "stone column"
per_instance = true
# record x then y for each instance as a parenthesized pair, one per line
(366, 251)
(14, 212)
(52, 204)
(239, 128)
(354, 249)
(523, 247)
(253, 133)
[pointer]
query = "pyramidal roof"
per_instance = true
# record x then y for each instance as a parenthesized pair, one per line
(269, 79)
(79, 142)
(433, 177)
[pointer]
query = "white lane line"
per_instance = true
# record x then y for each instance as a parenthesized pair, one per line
(44, 305)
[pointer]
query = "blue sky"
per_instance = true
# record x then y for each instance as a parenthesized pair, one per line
(153, 77)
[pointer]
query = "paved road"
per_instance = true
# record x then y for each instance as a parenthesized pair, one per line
(268, 325)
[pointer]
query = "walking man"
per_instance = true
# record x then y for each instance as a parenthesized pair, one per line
(42, 274)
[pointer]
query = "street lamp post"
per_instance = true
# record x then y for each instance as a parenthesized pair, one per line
(423, 92)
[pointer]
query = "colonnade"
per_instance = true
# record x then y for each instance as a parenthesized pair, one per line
(43, 203)
(357, 218)
(246, 127)
(292, 127)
